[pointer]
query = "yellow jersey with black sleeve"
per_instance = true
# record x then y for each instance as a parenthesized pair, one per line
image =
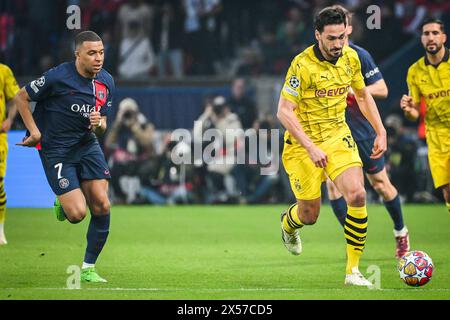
(319, 90)
(432, 82)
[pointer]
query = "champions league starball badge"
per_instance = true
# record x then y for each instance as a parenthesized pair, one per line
(294, 82)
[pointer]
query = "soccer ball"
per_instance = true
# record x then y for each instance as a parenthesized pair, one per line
(415, 268)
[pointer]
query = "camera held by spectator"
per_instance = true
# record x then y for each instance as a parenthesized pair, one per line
(130, 143)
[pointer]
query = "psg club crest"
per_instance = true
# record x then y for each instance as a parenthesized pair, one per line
(100, 94)
(63, 183)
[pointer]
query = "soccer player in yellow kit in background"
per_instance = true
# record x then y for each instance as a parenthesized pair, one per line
(318, 142)
(8, 89)
(429, 77)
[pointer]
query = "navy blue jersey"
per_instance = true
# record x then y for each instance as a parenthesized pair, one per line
(361, 128)
(65, 100)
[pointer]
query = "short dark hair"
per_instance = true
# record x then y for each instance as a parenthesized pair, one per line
(329, 16)
(348, 14)
(433, 20)
(86, 36)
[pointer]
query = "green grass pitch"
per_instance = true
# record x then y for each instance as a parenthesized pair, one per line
(215, 252)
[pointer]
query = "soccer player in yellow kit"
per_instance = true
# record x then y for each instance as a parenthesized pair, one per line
(429, 78)
(318, 142)
(8, 89)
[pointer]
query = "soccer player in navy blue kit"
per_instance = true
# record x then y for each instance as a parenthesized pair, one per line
(364, 135)
(73, 101)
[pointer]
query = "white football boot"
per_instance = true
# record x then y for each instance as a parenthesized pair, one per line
(2, 236)
(356, 279)
(291, 241)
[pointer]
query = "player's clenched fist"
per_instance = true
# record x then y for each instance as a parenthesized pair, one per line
(406, 103)
(96, 119)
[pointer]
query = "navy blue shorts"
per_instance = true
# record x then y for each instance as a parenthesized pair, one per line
(65, 172)
(370, 166)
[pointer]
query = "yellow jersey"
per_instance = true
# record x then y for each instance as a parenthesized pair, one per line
(319, 89)
(8, 89)
(432, 83)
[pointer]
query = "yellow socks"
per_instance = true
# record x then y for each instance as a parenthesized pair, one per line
(291, 221)
(2, 203)
(448, 206)
(355, 230)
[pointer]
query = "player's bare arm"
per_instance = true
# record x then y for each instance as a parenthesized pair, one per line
(370, 111)
(378, 89)
(288, 119)
(12, 112)
(410, 108)
(22, 101)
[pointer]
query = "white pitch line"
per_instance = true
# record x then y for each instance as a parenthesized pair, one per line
(227, 290)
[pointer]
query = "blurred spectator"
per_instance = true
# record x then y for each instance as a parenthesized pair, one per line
(211, 35)
(253, 184)
(130, 145)
(171, 183)
(193, 37)
(294, 33)
(103, 14)
(168, 38)
(136, 57)
(241, 104)
(221, 154)
(249, 63)
(201, 27)
(131, 11)
(402, 156)
(411, 13)
(390, 34)
(110, 63)
(273, 52)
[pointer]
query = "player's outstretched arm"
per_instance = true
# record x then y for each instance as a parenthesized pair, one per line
(410, 109)
(288, 119)
(370, 111)
(22, 101)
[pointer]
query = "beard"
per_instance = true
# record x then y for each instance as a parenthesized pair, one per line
(434, 51)
(331, 52)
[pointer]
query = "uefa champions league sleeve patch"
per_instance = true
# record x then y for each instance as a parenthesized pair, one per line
(294, 82)
(38, 83)
(292, 85)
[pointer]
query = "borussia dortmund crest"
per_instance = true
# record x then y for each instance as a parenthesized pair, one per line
(297, 185)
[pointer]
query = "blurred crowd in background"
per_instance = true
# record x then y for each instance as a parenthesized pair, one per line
(174, 38)
(232, 39)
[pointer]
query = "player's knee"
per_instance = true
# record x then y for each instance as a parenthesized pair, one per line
(357, 197)
(101, 206)
(76, 216)
(309, 214)
(75, 212)
(380, 187)
(309, 220)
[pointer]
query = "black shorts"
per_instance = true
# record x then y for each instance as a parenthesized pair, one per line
(370, 166)
(64, 173)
